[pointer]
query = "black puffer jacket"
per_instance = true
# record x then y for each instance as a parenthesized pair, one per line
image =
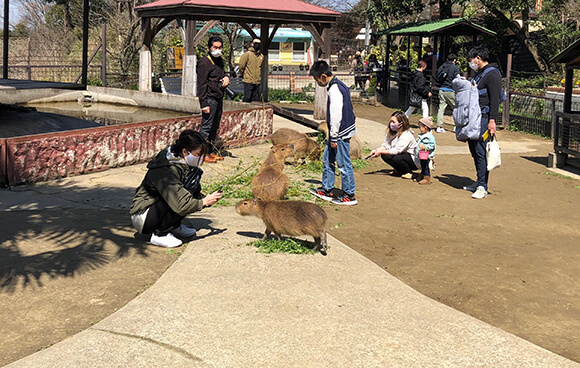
(419, 84)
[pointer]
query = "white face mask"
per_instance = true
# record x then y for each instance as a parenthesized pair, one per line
(216, 53)
(473, 65)
(193, 161)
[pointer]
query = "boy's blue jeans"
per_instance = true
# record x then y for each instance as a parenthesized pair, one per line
(339, 157)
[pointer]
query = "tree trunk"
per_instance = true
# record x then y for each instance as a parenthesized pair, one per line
(445, 11)
(522, 35)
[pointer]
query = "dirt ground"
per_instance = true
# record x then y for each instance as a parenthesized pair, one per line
(510, 260)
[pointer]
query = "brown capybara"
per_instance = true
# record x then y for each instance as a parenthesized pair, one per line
(355, 143)
(270, 183)
(304, 147)
(289, 218)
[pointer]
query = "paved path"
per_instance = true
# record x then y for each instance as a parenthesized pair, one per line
(222, 304)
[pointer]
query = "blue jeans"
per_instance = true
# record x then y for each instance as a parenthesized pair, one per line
(341, 156)
(477, 149)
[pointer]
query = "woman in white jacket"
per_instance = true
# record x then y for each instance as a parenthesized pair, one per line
(398, 149)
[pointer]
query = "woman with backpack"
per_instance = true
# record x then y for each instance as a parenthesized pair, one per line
(420, 91)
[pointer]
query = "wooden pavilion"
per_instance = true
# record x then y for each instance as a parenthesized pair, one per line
(566, 124)
(266, 13)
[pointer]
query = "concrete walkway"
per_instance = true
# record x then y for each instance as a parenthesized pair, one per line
(222, 304)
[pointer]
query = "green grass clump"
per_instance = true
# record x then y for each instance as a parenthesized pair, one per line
(288, 245)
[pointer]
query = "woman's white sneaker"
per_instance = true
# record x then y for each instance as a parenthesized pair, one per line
(480, 193)
(184, 231)
(167, 241)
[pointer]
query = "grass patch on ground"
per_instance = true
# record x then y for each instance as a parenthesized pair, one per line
(556, 175)
(288, 245)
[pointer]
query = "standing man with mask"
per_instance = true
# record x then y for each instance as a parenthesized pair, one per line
(251, 70)
(488, 80)
(211, 81)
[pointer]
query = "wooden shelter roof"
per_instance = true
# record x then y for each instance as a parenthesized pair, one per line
(570, 55)
(287, 11)
(451, 27)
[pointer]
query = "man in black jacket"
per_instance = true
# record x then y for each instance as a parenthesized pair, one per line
(488, 80)
(448, 71)
(211, 81)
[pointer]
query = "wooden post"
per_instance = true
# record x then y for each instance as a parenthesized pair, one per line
(6, 37)
(145, 56)
(265, 37)
(554, 120)
(506, 103)
(320, 93)
(28, 56)
(85, 66)
(568, 89)
(104, 54)
(189, 73)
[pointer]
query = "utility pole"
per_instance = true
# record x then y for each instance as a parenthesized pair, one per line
(367, 27)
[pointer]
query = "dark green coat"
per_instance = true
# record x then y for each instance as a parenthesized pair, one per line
(164, 179)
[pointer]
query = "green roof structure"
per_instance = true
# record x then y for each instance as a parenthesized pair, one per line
(570, 55)
(446, 27)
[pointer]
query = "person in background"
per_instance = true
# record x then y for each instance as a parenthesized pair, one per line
(341, 128)
(398, 149)
(251, 70)
(446, 94)
(488, 80)
(425, 150)
(211, 81)
(171, 190)
(420, 87)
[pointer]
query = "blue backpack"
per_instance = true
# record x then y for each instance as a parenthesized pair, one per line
(483, 91)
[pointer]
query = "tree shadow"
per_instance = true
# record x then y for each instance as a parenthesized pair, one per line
(66, 230)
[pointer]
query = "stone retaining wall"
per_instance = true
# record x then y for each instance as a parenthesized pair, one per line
(55, 155)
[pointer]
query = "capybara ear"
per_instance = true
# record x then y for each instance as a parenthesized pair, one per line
(273, 149)
(291, 147)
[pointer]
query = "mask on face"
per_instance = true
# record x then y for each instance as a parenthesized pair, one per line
(322, 83)
(216, 53)
(473, 65)
(257, 46)
(193, 161)
(395, 127)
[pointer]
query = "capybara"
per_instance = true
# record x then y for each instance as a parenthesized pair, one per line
(355, 143)
(304, 147)
(289, 218)
(270, 182)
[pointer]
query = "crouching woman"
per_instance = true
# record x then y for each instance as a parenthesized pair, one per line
(398, 149)
(171, 190)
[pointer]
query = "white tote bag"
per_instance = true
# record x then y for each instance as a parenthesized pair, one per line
(493, 154)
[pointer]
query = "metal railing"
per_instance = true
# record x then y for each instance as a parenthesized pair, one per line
(567, 133)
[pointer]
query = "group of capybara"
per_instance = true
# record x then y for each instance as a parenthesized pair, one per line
(270, 186)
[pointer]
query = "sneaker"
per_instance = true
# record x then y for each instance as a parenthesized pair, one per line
(453, 129)
(210, 159)
(471, 188)
(440, 130)
(407, 176)
(321, 193)
(167, 241)
(480, 193)
(184, 231)
(346, 199)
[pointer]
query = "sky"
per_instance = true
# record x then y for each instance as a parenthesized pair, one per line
(14, 12)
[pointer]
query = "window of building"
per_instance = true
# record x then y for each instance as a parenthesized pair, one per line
(274, 51)
(299, 51)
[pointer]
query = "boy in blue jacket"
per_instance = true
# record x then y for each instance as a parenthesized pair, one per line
(425, 149)
(341, 128)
